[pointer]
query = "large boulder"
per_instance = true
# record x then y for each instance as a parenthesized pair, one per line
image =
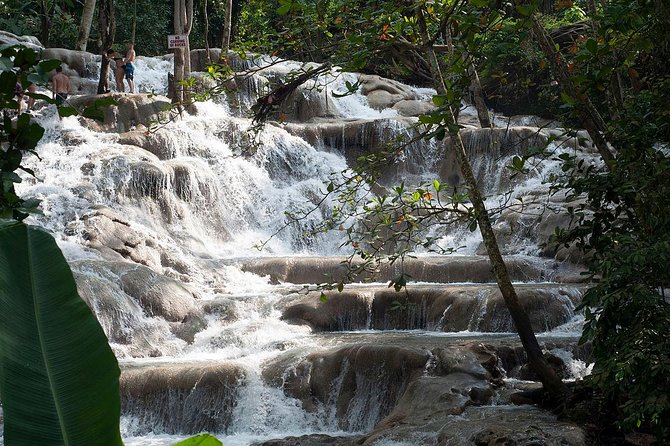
(79, 63)
(130, 111)
(113, 236)
(142, 313)
(7, 38)
(384, 93)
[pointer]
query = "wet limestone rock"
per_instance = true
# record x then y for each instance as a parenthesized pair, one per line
(447, 308)
(112, 235)
(130, 111)
(509, 425)
(476, 269)
(348, 310)
(384, 93)
(412, 107)
(80, 63)
(7, 38)
(181, 399)
(360, 383)
(311, 440)
(159, 295)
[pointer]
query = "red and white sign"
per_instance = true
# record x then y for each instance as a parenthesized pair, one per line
(177, 41)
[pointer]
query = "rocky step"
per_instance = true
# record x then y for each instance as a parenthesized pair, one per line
(376, 385)
(442, 269)
(180, 398)
(359, 381)
(443, 307)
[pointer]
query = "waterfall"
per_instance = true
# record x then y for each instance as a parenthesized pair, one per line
(161, 230)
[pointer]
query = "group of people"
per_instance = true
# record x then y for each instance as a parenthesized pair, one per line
(123, 68)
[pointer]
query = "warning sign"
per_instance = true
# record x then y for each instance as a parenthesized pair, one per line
(177, 41)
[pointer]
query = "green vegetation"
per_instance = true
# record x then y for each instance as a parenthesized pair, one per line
(59, 380)
(623, 223)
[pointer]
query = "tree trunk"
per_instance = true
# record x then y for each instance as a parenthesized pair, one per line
(227, 26)
(45, 23)
(107, 30)
(478, 98)
(205, 19)
(551, 382)
(134, 28)
(85, 25)
(183, 22)
(588, 115)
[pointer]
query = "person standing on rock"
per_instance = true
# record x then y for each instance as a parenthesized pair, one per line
(119, 69)
(129, 67)
(61, 86)
(18, 92)
(32, 88)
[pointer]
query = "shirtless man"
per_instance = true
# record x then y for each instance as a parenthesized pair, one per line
(130, 67)
(119, 71)
(61, 86)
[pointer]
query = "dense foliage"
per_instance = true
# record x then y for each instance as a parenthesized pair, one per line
(621, 214)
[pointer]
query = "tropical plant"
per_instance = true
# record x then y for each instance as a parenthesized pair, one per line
(58, 375)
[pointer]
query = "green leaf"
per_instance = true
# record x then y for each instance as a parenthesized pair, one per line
(64, 112)
(284, 9)
(59, 379)
(28, 133)
(200, 440)
(323, 298)
(439, 100)
(592, 46)
(6, 64)
(48, 65)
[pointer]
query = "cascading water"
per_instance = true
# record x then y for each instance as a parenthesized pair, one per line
(160, 236)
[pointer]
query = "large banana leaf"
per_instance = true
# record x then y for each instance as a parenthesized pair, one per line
(59, 380)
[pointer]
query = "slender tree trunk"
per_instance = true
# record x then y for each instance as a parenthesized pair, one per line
(179, 19)
(183, 22)
(205, 19)
(85, 25)
(45, 23)
(107, 30)
(551, 382)
(478, 98)
(132, 31)
(227, 26)
(587, 113)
